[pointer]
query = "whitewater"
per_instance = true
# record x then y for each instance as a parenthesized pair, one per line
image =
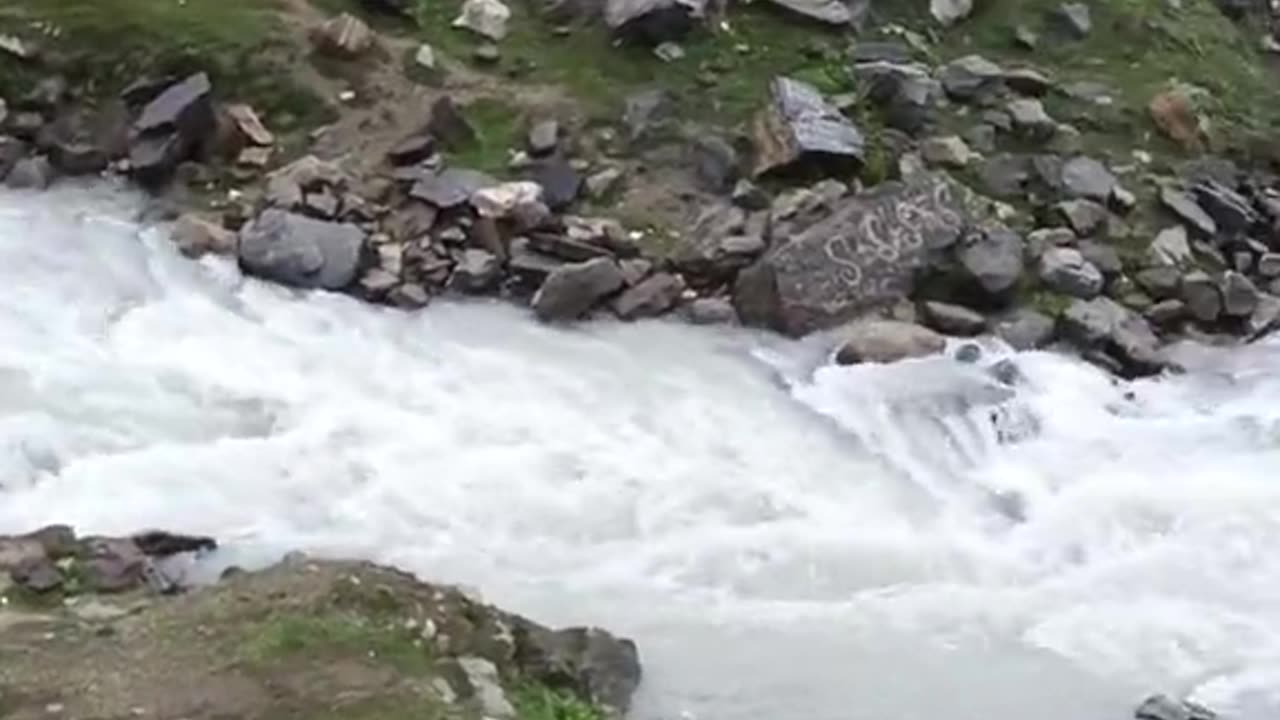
(785, 539)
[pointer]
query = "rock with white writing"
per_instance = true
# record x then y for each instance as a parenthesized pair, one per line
(863, 254)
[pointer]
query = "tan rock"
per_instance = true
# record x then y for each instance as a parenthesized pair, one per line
(1175, 115)
(250, 125)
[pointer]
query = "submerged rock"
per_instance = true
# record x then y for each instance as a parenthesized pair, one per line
(297, 250)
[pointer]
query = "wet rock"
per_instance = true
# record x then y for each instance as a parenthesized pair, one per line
(865, 253)
(161, 543)
(560, 183)
(1201, 295)
(1187, 210)
(800, 131)
(1065, 270)
(571, 290)
(300, 251)
(970, 77)
(652, 22)
(710, 311)
(1171, 248)
(1265, 317)
(1103, 325)
(887, 341)
(952, 319)
(1085, 177)
(601, 668)
(992, 258)
(1085, 217)
(409, 296)
(477, 271)
(1239, 295)
(1024, 329)
(1163, 707)
(1030, 119)
(949, 12)
(451, 187)
(1074, 19)
(981, 137)
(650, 297)
(345, 36)
(1229, 210)
(448, 124)
(32, 173)
(11, 151)
(487, 18)
(196, 236)
(171, 128)
(948, 152)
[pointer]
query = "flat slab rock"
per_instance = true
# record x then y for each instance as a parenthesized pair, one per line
(301, 251)
(865, 253)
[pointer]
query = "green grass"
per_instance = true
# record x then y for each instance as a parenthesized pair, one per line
(537, 702)
(497, 125)
(334, 634)
(102, 45)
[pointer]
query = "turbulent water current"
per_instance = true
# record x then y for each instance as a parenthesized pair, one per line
(785, 539)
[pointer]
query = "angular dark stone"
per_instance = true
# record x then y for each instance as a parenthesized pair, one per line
(561, 184)
(412, 150)
(1187, 210)
(799, 131)
(1202, 296)
(1229, 210)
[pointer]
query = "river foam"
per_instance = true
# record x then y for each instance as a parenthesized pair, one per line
(784, 539)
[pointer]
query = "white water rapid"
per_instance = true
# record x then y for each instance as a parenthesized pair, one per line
(785, 540)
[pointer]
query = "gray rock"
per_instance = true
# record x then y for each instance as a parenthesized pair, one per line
(1103, 325)
(113, 565)
(652, 21)
(477, 271)
(1066, 271)
(1027, 81)
(1201, 295)
(196, 236)
(1265, 317)
(948, 151)
(1162, 707)
(1085, 217)
(300, 251)
(571, 290)
(863, 254)
(971, 76)
(1170, 248)
(450, 188)
(38, 575)
(598, 667)
(448, 125)
(543, 138)
(1025, 329)
(799, 130)
(1161, 282)
(715, 162)
(412, 150)
(1030, 119)
(1239, 295)
(993, 259)
(487, 18)
(528, 266)
(723, 240)
(981, 137)
(476, 679)
(650, 297)
(949, 12)
(906, 91)
(600, 184)
(710, 311)
(749, 196)
(1006, 176)
(1229, 209)
(1102, 256)
(1087, 178)
(887, 341)
(952, 319)
(1187, 210)
(1269, 265)
(561, 184)
(1075, 19)
(345, 36)
(1166, 312)
(171, 128)
(831, 12)
(33, 173)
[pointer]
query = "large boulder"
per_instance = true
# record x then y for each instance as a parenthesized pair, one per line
(886, 341)
(799, 131)
(297, 250)
(1103, 325)
(571, 290)
(652, 21)
(171, 128)
(863, 254)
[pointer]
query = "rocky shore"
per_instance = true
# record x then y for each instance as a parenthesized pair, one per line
(975, 210)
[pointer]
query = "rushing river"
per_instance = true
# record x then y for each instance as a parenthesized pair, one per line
(786, 540)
